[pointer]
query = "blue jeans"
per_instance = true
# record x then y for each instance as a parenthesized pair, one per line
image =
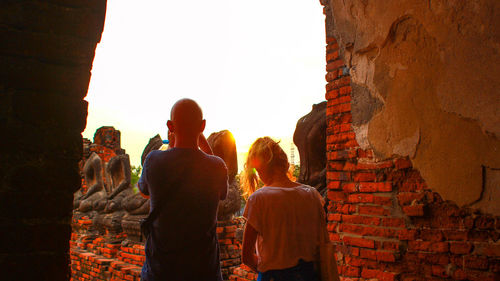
(304, 271)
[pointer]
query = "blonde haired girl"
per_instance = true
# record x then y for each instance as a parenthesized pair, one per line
(284, 218)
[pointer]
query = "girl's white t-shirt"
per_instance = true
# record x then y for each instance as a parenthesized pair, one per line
(289, 224)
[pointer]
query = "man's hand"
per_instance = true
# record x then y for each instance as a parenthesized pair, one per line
(204, 146)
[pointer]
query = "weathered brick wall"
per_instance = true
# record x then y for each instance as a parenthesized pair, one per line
(387, 223)
(45, 56)
(113, 257)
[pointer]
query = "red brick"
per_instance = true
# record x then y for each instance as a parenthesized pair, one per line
(360, 198)
(438, 270)
(460, 247)
(374, 165)
(351, 271)
(345, 90)
(334, 237)
(332, 56)
(332, 65)
(346, 127)
(349, 166)
(382, 200)
(336, 165)
(365, 153)
(331, 47)
(358, 262)
(484, 222)
(360, 242)
(339, 83)
(411, 187)
(368, 231)
(346, 107)
(476, 275)
(406, 198)
(338, 176)
(342, 155)
(455, 235)
(332, 94)
(332, 75)
(431, 235)
(368, 254)
(476, 262)
(339, 100)
(393, 222)
(349, 187)
(427, 246)
(333, 185)
(414, 210)
(365, 176)
(356, 219)
(332, 227)
(378, 274)
(375, 187)
(386, 256)
(459, 274)
(487, 249)
(334, 217)
(336, 195)
(388, 245)
(402, 164)
(370, 273)
(373, 210)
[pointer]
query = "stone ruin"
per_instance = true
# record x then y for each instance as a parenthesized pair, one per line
(106, 241)
(310, 139)
(224, 146)
(412, 138)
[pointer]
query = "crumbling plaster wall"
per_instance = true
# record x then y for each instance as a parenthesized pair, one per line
(425, 79)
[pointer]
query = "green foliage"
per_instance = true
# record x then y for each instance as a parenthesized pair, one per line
(135, 175)
(296, 171)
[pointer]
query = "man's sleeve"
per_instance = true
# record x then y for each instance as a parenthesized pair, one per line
(251, 213)
(223, 182)
(143, 181)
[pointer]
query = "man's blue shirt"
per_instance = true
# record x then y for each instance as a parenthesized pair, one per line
(183, 244)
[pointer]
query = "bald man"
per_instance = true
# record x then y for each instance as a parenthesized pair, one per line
(185, 184)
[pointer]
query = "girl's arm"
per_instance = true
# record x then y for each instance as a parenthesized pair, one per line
(204, 146)
(249, 257)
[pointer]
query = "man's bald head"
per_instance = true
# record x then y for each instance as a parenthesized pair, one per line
(187, 118)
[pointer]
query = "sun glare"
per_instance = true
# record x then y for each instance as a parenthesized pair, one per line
(254, 69)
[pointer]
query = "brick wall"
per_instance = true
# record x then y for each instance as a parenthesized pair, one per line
(113, 257)
(45, 56)
(387, 223)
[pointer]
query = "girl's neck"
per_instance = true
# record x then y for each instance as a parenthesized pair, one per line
(282, 181)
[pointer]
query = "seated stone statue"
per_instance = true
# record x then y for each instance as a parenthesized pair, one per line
(136, 206)
(118, 187)
(92, 200)
(118, 172)
(224, 146)
(310, 139)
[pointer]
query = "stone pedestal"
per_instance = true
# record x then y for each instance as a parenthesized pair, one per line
(131, 225)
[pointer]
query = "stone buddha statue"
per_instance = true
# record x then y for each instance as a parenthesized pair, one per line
(94, 198)
(224, 146)
(136, 206)
(310, 139)
(117, 189)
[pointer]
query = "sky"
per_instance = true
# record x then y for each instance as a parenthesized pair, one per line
(255, 68)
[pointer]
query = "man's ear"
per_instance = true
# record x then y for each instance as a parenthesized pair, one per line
(170, 126)
(203, 124)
